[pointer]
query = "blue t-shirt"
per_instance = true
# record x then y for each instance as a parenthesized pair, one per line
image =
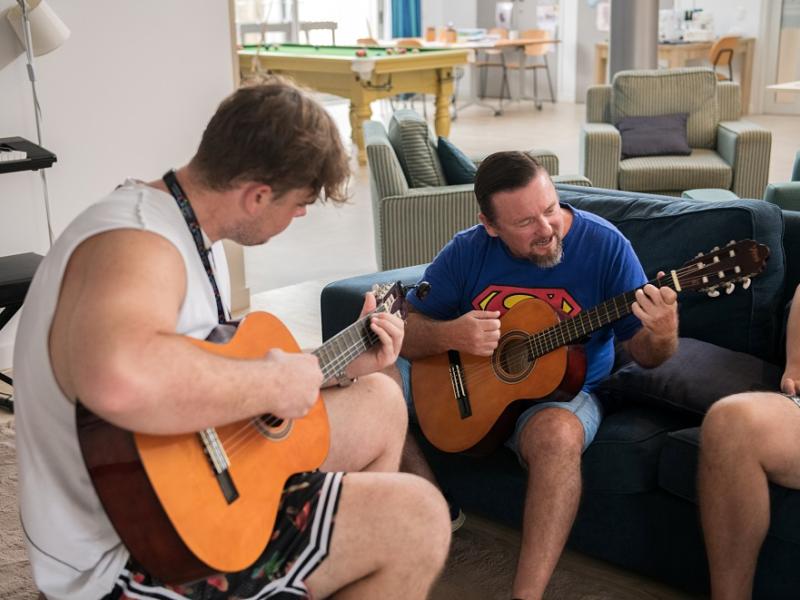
(475, 271)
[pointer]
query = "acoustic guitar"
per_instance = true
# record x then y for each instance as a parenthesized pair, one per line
(467, 403)
(189, 506)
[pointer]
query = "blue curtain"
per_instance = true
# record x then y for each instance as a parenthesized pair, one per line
(406, 18)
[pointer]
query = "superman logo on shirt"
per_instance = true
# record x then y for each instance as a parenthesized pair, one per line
(503, 297)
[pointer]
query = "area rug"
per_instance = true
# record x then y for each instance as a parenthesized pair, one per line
(481, 564)
(15, 577)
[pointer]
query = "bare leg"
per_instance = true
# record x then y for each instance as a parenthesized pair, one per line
(390, 539)
(368, 425)
(551, 443)
(746, 440)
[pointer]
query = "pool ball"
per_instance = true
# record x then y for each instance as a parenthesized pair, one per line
(361, 52)
(390, 51)
(415, 50)
(402, 50)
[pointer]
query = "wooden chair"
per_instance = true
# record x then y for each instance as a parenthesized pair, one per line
(367, 41)
(538, 54)
(408, 43)
(494, 58)
(308, 26)
(721, 54)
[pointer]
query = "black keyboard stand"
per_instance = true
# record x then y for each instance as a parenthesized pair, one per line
(16, 273)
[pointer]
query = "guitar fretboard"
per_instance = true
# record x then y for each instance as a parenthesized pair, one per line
(335, 354)
(571, 330)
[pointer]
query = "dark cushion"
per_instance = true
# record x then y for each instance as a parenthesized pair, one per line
(666, 232)
(695, 377)
(623, 458)
(654, 136)
(457, 166)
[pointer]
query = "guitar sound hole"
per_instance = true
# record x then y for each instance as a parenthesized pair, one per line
(272, 427)
(513, 360)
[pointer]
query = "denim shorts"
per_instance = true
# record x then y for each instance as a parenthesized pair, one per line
(585, 406)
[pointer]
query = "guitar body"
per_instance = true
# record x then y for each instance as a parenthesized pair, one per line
(498, 389)
(161, 492)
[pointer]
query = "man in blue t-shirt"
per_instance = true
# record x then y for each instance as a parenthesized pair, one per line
(530, 246)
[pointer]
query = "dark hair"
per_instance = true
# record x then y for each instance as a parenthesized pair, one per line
(273, 133)
(501, 172)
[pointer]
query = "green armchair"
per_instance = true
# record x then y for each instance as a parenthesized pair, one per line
(727, 153)
(414, 211)
(786, 195)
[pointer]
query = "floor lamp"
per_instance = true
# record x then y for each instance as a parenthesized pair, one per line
(40, 31)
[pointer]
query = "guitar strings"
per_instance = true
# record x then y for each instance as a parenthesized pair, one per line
(250, 430)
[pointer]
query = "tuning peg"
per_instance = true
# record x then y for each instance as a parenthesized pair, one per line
(715, 249)
(732, 243)
(746, 283)
(699, 254)
(729, 288)
(713, 293)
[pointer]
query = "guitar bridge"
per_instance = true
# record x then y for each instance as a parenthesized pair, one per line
(459, 385)
(219, 463)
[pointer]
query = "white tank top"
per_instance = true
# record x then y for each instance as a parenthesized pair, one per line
(73, 548)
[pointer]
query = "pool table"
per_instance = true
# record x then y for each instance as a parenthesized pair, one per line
(379, 73)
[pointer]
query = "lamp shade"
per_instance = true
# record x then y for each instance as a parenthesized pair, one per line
(48, 32)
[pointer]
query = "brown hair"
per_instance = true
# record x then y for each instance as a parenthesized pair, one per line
(500, 172)
(273, 133)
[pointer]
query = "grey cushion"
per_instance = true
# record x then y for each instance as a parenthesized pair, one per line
(695, 377)
(654, 136)
(701, 169)
(411, 139)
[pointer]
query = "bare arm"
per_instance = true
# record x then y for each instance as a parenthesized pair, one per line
(113, 346)
(476, 332)
(790, 382)
(657, 340)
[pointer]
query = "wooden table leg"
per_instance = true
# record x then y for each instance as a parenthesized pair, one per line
(444, 92)
(747, 76)
(360, 111)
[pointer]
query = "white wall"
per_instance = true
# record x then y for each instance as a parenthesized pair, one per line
(128, 94)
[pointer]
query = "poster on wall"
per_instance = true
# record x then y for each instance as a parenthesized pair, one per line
(502, 14)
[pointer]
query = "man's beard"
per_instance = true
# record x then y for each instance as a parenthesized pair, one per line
(549, 260)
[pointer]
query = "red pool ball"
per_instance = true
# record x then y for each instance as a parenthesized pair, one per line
(361, 52)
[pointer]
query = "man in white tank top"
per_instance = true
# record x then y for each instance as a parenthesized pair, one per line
(98, 335)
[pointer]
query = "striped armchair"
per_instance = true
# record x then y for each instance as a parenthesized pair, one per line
(414, 212)
(727, 153)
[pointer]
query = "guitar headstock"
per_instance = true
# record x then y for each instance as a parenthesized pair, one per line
(391, 297)
(723, 267)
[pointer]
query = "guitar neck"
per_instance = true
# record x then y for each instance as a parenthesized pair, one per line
(347, 345)
(571, 330)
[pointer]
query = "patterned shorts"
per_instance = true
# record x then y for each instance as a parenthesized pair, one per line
(300, 542)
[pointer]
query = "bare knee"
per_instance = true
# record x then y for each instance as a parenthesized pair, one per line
(430, 533)
(386, 399)
(553, 432)
(730, 421)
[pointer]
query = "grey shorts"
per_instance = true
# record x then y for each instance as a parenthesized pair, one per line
(585, 406)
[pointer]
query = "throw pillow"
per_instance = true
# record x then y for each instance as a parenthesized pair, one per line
(695, 377)
(412, 141)
(654, 136)
(457, 166)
